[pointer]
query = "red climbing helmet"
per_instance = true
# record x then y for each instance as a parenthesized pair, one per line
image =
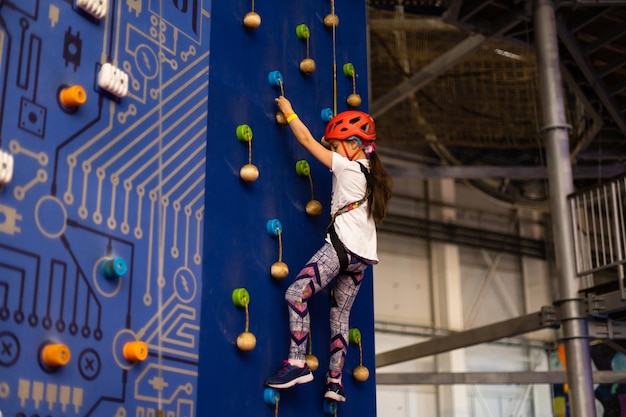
(350, 125)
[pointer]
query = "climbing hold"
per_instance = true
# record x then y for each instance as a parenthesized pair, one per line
(348, 70)
(275, 78)
(303, 32)
(113, 268)
(312, 362)
(361, 373)
(279, 269)
(327, 115)
(73, 96)
(271, 396)
(331, 20)
(6, 167)
(307, 65)
(136, 351)
(244, 133)
(303, 168)
(240, 297)
(249, 172)
(274, 227)
(113, 80)
(246, 341)
(353, 100)
(313, 207)
(354, 336)
(55, 355)
(330, 407)
(252, 20)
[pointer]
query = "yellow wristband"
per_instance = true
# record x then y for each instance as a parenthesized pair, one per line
(291, 117)
(287, 114)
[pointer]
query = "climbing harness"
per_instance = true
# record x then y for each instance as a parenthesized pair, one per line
(334, 238)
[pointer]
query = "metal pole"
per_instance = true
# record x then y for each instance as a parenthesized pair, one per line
(556, 132)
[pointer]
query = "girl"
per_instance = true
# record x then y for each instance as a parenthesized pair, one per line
(361, 189)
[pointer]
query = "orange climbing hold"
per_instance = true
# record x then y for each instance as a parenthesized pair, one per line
(73, 96)
(55, 355)
(135, 351)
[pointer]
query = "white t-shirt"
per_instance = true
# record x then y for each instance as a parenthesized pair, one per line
(356, 230)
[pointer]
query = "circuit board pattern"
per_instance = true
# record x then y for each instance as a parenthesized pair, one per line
(114, 178)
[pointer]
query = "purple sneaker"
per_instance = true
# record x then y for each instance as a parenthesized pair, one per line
(289, 375)
(334, 390)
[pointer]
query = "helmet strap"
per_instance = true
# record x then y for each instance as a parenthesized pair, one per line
(345, 149)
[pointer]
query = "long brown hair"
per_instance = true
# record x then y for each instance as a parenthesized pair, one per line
(381, 186)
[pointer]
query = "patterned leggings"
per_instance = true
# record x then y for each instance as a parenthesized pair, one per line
(321, 269)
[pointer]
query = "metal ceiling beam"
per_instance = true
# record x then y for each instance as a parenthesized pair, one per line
(591, 3)
(600, 156)
(613, 66)
(605, 40)
(510, 172)
(618, 89)
(498, 378)
(407, 3)
(439, 66)
(410, 25)
(577, 24)
(546, 318)
(472, 9)
(430, 72)
(570, 42)
(451, 15)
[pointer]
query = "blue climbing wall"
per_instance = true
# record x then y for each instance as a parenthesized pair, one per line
(125, 223)
(238, 250)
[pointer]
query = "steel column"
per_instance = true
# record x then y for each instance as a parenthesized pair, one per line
(556, 134)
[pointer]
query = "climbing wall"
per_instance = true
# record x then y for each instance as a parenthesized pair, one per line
(125, 223)
(239, 251)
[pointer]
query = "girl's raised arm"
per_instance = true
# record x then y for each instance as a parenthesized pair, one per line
(303, 134)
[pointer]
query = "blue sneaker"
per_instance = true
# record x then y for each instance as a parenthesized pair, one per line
(334, 390)
(289, 375)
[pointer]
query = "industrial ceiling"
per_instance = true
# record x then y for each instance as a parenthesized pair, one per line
(455, 91)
